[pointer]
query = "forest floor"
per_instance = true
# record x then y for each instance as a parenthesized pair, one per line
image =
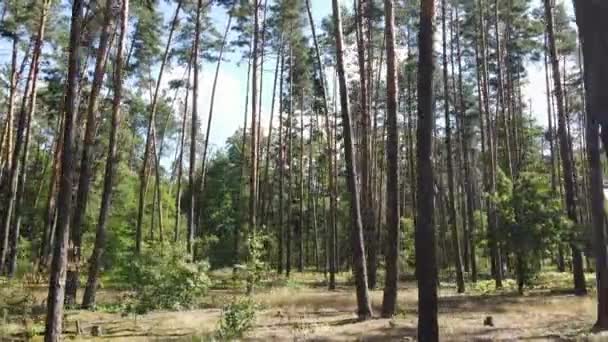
(302, 309)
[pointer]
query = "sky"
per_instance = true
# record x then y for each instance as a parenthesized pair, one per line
(232, 85)
(229, 104)
(232, 81)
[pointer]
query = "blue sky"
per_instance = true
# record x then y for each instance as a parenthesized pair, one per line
(230, 94)
(232, 84)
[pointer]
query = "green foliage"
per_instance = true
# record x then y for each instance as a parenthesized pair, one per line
(165, 280)
(237, 318)
(256, 267)
(531, 220)
(407, 259)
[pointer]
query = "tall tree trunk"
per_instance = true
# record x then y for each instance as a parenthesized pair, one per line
(266, 195)
(55, 301)
(389, 300)
(496, 264)
(328, 133)
(288, 164)
(301, 237)
(281, 166)
(18, 169)
(180, 163)
(366, 193)
(364, 309)
(151, 132)
(7, 133)
(253, 172)
(243, 164)
(449, 163)
(193, 133)
(588, 16)
(95, 261)
(84, 180)
(567, 162)
(212, 100)
(598, 218)
(469, 186)
(426, 267)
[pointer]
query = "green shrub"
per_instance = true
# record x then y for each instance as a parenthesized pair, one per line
(237, 318)
(165, 281)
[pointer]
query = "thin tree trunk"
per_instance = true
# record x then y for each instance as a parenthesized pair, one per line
(468, 177)
(364, 310)
(193, 133)
(84, 180)
(496, 264)
(55, 301)
(266, 195)
(330, 166)
(301, 189)
(281, 166)
(95, 261)
(212, 100)
(567, 162)
(151, 131)
(178, 196)
(389, 300)
(450, 168)
(18, 169)
(366, 200)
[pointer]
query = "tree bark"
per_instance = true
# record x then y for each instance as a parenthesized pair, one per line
(330, 166)
(151, 131)
(55, 301)
(364, 310)
(193, 132)
(567, 162)
(588, 17)
(367, 210)
(426, 265)
(449, 161)
(18, 168)
(84, 180)
(389, 300)
(95, 261)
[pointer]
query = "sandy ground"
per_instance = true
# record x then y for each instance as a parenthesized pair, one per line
(314, 314)
(317, 315)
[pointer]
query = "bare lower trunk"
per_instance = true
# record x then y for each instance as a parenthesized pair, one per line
(450, 168)
(389, 300)
(95, 261)
(55, 301)
(84, 180)
(364, 310)
(566, 156)
(426, 267)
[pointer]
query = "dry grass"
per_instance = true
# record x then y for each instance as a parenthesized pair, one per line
(301, 310)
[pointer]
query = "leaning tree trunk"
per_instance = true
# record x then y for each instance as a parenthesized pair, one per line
(84, 180)
(566, 157)
(95, 261)
(389, 300)
(332, 194)
(143, 186)
(426, 267)
(364, 309)
(12, 208)
(55, 300)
